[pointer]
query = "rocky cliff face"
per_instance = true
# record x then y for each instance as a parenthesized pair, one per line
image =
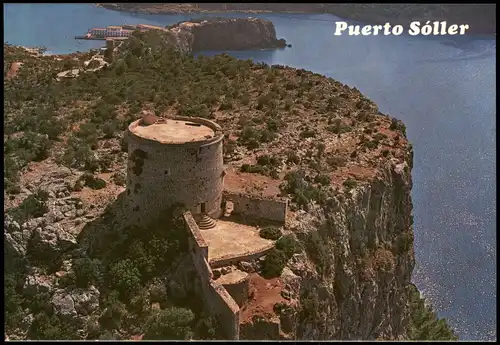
(226, 34)
(357, 286)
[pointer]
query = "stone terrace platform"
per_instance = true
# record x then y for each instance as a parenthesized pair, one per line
(230, 242)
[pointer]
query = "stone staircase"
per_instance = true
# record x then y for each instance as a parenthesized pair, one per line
(206, 223)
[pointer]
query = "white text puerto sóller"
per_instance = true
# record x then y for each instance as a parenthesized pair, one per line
(427, 28)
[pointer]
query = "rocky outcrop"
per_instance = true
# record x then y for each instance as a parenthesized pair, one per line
(226, 34)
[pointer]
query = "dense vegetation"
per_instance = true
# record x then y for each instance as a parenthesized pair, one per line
(125, 267)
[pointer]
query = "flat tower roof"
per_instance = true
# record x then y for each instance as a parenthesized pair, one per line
(173, 131)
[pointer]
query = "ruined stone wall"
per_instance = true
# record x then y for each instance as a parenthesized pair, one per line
(217, 300)
(257, 207)
(161, 175)
(248, 256)
(239, 291)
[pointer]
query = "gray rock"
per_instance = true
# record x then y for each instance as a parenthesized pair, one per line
(13, 246)
(286, 294)
(70, 214)
(34, 223)
(26, 322)
(63, 304)
(86, 300)
(26, 191)
(12, 226)
(67, 265)
(55, 216)
(80, 212)
(226, 270)
(246, 267)
(66, 208)
(66, 241)
(35, 284)
(61, 172)
(45, 240)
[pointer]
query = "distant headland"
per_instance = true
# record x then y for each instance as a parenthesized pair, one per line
(203, 34)
(480, 17)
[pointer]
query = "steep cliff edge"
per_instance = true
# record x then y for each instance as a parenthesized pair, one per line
(225, 34)
(363, 257)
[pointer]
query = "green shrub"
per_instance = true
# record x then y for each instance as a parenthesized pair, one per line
(267, 136)
(270, 233)
(322, 179)
(12, 303)
(288, 245)
(93, 181)
(350, 183)
(309, 133)
(87, 272)
(113, 315)
(266, 160)
(255, 169)
(274, 263)
(207, 328)
(67, 280)
(292, 157)
(226, 105)
(424, 323)
(125, 277)
(317, 250)
(46, 327)
(34, 206)
(119, 179)
(338, 127)
(170, 324)
(336, 161)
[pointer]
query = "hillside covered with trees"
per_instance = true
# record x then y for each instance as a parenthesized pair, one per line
(115, 285)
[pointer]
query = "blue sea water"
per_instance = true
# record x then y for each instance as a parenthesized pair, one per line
(444, 91)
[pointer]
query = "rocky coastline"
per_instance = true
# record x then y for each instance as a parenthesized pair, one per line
(225, 34)
(481, 18)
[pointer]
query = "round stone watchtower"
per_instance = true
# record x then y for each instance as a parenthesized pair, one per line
(174, 161)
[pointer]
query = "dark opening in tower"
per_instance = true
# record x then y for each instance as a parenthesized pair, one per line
(203, 208)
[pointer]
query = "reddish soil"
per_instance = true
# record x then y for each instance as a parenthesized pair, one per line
(265, 293)
(239, 182)
(100, 197)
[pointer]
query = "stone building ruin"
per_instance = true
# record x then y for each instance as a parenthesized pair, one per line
(174, 161)
(179, 161)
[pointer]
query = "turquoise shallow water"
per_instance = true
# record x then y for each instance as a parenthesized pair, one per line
(443, 90)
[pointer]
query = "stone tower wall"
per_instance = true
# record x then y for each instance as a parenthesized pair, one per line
(160, 175)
